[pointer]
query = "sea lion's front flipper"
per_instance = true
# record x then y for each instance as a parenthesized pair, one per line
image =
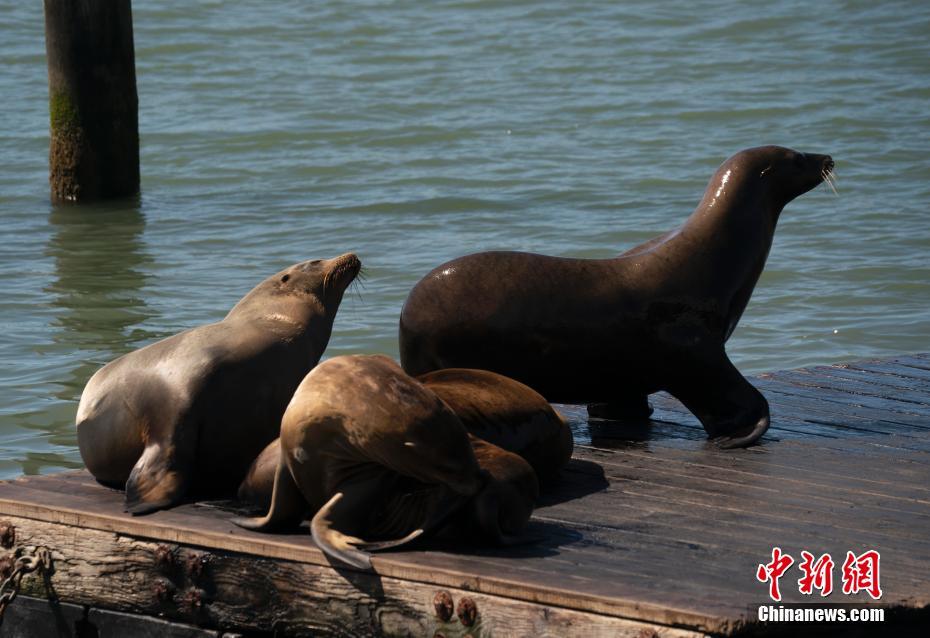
(288, 505)
(158, 480)
(732, 411)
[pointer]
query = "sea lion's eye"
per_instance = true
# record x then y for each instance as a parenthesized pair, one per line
(285, 278)
(765, 170)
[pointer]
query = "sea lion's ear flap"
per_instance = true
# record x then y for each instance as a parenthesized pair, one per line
(156, 482)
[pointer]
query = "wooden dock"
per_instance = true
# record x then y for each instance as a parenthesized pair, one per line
(652, 532)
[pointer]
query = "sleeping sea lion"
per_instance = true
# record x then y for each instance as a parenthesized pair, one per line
(492, 407)
(379, 460)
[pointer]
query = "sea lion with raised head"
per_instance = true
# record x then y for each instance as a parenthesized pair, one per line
(493, 408)
(188, 414)
(609, 332)
(378, 460)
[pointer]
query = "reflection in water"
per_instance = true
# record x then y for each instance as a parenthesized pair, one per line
(100, 266)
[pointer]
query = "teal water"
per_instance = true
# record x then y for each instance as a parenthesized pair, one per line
(414, 132)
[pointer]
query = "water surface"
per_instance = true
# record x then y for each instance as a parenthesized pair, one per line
(412, 133)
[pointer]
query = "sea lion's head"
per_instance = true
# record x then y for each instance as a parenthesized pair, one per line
(501, 509)
(779, 174)
(309, 289)
(324, 279)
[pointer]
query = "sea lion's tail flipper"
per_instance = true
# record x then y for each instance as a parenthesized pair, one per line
(288, 505)
(158, 480)
(733, 412)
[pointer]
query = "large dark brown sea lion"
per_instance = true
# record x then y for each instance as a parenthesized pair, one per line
(616, 330)
(493, 408)
(190, 413)
(378, 460)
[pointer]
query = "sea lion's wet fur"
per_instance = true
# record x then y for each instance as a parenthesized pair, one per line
(188, 414)
(379, 460)
(612, 331)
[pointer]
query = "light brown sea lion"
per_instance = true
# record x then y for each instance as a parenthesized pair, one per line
(492, 407)
(378, 459)
(188, 414)
(613, 331)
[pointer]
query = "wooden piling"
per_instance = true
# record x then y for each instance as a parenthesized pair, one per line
(93, 106)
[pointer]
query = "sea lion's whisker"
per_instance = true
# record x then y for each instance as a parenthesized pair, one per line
(826, 177)
(356, 287)
(829, 177)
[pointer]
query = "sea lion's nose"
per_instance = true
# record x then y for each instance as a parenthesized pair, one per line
(827, 163)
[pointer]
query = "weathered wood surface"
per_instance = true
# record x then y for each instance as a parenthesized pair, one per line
(258, 595)
(651, 529)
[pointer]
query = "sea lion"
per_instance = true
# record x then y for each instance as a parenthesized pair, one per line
(616, 330)
(499, 512)
(257, 486)
(373, 454)
(507, 414)
(492, 407)
(190, 413)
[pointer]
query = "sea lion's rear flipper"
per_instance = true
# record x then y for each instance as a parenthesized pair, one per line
(732, 411)
(288, 505)
(330, 540)
(374, 508)
(158, 480)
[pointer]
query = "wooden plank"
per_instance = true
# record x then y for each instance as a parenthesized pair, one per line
(837, 411)
(250, 594)
(180, 525)
(830, 462)
(765, 478)
(659, 526)
(880, 383)
(802, 411)
(904, 413)
(302, 541)
(893, 368)
(774, 523)
(918, 360)
(661, 550)
(889, 397)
